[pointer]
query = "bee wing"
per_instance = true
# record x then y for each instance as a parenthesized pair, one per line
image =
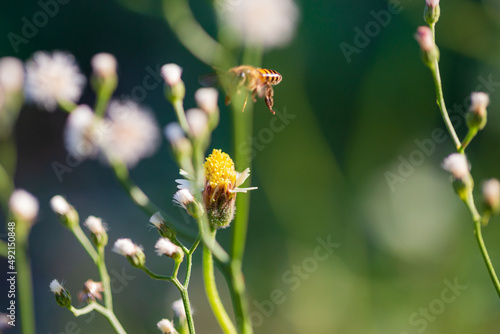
(210, 79)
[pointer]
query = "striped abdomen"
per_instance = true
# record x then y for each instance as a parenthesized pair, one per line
(269, 76)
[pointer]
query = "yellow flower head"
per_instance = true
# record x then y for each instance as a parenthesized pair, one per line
(219, 171)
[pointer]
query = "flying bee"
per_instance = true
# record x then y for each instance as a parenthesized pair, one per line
(258, 81)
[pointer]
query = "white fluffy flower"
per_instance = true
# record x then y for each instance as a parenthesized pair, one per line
(53, 77)
(56, 287)
(104, 65)
(23, 205)
(267, 23)
(171, 73)
(457, 165)
(183, 197)
(166, 327)
(11, 74)
(95, 225)
(479, 102)
(166, 247)
(131, 133)
(81, 133)
(126, 247)
(425, 39)
(491, 193)
(206, 98)
(157, 219)
(59, 205)
(179, 310)
(197, 121)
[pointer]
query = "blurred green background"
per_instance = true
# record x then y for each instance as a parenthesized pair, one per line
(322, 176)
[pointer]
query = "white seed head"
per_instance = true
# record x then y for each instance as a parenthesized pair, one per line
(23, 205)
(425, 39)
(125, 247)
(53, 77)
(166, 327)
(157, 219)
(479, 102)
(457, 165)
(95, 225)
(197, 121)
(81, 133)
(56, 287)
(266, 23)
(166, 247)
(59, 205)
(206, 99)
(11, 74)
(179, 310)
(131, 133)
(183, 197)
(104, 65)
(171, 73)
(491, 193)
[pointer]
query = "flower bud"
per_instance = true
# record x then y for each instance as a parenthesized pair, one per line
(432, 11)
(198, 123)
(185, 199)
(166, 327)
(181, 146)
(63, 297)
(99, 235)
(491, 195)
(477, 115)
(458, 166)
(23, 206)
(206, 99)
(91, 291)
(430, 52)
(166, 247)
(175, 89)
(104, 65)
(131, 251)
(164, 228)
(67, 214)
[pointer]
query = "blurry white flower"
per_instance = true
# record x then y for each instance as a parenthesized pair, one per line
(479, 103)
(131, 133)
(267, 23)
(157, 219)
(166, 247)
(171, 73)
(206, 98)
(166, 327)
(126, 247)
(104, 65)
(457, 165)
(59, 205)
(95, 225)
(432, 3)
(23, 205)
(56, 287)
(491, 193)
(183, 197)
(179, 310)
(11, 74)
(425, 39)
(53, 77)
(197, 121)
(81, 132)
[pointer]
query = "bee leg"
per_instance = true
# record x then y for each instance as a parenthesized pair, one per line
(245, 103)
(254, 95)
(269, 93)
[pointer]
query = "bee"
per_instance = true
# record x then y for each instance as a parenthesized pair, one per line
(258, 81)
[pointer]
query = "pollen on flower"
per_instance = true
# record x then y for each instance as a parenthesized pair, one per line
(219, 170)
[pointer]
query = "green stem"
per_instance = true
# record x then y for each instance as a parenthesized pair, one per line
(470, 135)
(82, 238)
(212, 294)
(187, 304)
(67, 105)
(142, 200)
(181, 114)
(109, 314)
(104, 93)
(106, 282)
(156, 276)
(189, 261)
(24, 281)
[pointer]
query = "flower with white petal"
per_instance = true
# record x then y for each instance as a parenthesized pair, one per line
(23, 205)
(179, 310)
(131, 251)
(266, 23)
(56, 287)
(491, 194)
(479, 103)
(104, 65)
(11, 74)
(183, 197)
(206, 99)
(95, 225)
(63, 297)
(131, 133)
(59, 205)
(197, 121)
(166, 247)
(457, 165)
(166, 327)
(51, 78)
(81, 133)
(171, 73)
(425, 39)
(432, 3)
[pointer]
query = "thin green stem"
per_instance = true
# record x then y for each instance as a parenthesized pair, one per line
(67, 105)
(85, 242)
(187, 304)
(470, 135)
(212, 293)
(24, 280)
(109, 314)
(106, 282)
(156, 276)
(189, 261)
(104, 93)
(181, 114)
